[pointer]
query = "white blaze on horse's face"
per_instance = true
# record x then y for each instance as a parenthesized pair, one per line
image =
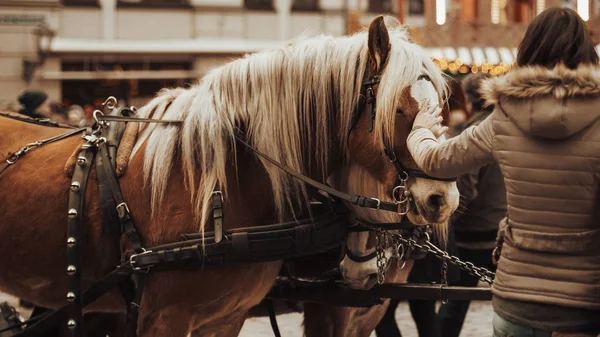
(433, 200)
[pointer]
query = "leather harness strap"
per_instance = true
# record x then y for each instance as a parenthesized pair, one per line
(75, 238)
(138, 120)
(248, 244)
(123, 213)
(38, 121)
(358, 200)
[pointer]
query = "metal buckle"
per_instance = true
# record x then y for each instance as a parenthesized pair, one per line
(134, 256)
(378, 203)
(12, 159)
(120, 210)
(219, 193)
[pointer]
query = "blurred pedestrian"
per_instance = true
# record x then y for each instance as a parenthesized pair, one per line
(35, 104)
(76, 116)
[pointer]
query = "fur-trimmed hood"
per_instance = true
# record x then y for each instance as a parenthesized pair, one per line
(550, 103)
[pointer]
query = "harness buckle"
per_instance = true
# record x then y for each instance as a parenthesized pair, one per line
(378, 203)
(133, 264)
(122, 210)
(12, 159)
(218, 193)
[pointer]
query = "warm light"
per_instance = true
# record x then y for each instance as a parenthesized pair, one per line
(440, 12)
(540, 6)
(495, 12)
(583, 8)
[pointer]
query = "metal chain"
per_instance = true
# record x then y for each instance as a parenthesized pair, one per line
(381, 261)
(480, 272)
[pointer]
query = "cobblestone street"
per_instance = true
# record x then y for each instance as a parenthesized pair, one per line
(477, 324)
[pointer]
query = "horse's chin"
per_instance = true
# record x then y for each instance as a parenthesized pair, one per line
(365, 283)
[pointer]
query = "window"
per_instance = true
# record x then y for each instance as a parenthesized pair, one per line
(265, 5)
(154, 3)
(305, 5)
(380, 6)
(91, 3)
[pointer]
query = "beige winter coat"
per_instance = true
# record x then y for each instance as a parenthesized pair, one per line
(545, 136)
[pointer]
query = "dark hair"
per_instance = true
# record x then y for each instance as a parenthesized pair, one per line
(471, 85)
(557, 35)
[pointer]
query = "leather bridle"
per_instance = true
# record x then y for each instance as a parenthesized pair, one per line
(368, 99)
(400, 194)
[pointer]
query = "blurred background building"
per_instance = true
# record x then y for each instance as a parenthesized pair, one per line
(81, 51)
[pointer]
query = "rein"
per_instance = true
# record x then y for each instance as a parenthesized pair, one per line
(25, 149)
(38, 121)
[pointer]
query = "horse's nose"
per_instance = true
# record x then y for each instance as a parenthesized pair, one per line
(436, 200)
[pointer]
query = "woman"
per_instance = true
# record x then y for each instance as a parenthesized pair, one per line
(545, 135)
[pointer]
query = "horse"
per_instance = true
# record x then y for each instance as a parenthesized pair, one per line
(292, 103)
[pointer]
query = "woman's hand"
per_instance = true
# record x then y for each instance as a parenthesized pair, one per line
(429, 117)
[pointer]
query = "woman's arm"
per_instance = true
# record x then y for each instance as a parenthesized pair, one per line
(468, 151)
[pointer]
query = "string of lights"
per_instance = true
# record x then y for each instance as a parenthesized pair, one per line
(457, 67)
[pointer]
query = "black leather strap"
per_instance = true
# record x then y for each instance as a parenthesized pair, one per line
(123, 213)
(361, 225)
(408, 171)
(218, 214)
(361, 259)
(272, 317)
(75, 238)
(38, 121)
(358, 200)
(137, 119)
(121, 274)
(243, 245)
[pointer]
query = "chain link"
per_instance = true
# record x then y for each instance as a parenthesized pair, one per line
(480, 272)
(381, 261)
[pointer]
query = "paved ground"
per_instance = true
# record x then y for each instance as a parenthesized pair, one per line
(478, 322)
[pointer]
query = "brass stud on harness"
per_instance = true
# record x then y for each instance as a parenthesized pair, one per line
(81, 161)
(75, 186)
(72, 213)
(71, 324)
(70, 296)
(71, 242)
(71, 270)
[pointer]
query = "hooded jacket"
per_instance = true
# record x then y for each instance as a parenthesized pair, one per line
(545, 135)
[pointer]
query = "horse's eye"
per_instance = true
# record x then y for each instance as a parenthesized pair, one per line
(424, 77)
(399, 111)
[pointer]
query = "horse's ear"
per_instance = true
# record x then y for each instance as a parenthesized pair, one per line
(379, 44)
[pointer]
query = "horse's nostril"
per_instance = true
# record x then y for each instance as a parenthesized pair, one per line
(436, 200)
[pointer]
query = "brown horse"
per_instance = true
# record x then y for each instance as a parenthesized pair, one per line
(293, 103)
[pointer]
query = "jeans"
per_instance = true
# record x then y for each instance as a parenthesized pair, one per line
(504, 328)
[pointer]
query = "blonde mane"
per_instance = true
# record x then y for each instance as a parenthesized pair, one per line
(282, 99)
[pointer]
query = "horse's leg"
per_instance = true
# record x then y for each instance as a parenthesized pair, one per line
(223, 328)
(323, 320)
(177, 302)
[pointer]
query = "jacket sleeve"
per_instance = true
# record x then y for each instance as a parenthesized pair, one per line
(466, 152)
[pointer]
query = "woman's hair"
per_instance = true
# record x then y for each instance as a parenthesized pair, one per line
(557, 35)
